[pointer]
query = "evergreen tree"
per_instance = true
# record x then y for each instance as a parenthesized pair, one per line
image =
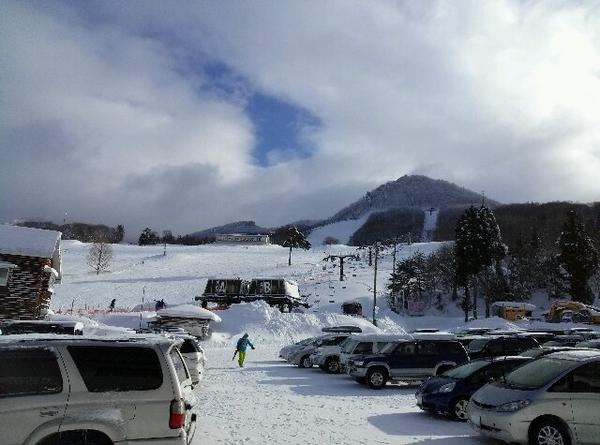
(147, 237)
(478, 246)
(120, 233)
(295, 239)
(578, 257)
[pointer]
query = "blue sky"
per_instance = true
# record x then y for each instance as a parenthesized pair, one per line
(280, 126)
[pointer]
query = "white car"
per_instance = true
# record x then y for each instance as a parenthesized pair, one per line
(71, 390)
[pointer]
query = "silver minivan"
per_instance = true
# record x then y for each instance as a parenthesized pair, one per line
(70, 390)
(554, 400)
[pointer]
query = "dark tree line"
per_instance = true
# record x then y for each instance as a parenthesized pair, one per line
(83, 232)
(479, 263)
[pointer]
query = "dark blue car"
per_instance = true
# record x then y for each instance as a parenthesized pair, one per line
(450, 392)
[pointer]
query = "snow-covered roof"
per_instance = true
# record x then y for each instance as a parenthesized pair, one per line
(27, 241)
(189, 311)
(515, 304)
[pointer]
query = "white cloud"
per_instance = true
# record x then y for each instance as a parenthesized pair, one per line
(497, 96)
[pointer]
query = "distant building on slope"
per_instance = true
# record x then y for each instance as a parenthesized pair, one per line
(30, 265)
(238, 238)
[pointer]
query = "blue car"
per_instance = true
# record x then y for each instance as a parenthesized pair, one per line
(450, 392)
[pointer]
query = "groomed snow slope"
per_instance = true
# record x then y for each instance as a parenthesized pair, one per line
(341, 230)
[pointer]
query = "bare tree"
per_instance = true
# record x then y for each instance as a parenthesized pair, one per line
(100, 254)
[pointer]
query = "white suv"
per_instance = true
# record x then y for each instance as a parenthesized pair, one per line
(65, 390)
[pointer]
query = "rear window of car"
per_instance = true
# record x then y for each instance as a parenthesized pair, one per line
(188, 346)
(29, 372)
(108, 369)
(180, 369)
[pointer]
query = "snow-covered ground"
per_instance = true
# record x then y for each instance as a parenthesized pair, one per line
(430, 224)
(269, 401)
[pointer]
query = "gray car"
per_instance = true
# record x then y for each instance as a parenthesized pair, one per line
(554, 400)
(301, 356)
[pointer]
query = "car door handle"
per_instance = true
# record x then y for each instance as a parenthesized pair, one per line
(48, 412)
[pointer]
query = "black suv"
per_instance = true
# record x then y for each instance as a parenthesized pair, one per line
(500, 346)
(408, 360)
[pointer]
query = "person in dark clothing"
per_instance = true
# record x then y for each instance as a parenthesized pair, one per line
(241, 347)
(111, 306)
(160, 304)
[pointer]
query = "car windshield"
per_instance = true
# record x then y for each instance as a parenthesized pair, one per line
(538, 373)
(477, 344)
(348, 345)
(460, 372)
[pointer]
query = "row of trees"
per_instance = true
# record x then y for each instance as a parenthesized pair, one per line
(479, 263)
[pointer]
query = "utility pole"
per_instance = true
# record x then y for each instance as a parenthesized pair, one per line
(376, 247)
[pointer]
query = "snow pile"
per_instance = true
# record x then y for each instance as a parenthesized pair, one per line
(189, 311)
(266, 324)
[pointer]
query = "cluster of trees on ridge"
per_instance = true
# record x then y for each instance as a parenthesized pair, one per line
(480, 265)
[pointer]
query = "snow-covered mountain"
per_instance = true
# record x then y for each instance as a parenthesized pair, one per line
(410, 191)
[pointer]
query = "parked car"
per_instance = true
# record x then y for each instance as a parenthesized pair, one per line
(193, 355)
(408, 360)
(286, 351)
(8, 327)
(333, 359)
(594, 344)
(67, 390)
(545, 350)
(472, 331)
(450, 392)
(552, 400)
(301, 356)
(498, 346)
(564, 340)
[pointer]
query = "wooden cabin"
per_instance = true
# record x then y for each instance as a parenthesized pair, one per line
(30, 266)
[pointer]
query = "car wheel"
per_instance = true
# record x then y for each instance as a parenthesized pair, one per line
(305, 362)
(377, 378)
(549, 433)
(332, 365)
(459, 409)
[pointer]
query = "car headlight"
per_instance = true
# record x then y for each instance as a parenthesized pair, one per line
(359, 363)
(513, 406)
(448, 387)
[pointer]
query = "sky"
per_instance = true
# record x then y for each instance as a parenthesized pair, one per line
(186, 115)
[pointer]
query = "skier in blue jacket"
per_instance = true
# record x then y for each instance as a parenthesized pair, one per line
(241, 347)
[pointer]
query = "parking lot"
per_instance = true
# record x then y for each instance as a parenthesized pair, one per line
(270, 401)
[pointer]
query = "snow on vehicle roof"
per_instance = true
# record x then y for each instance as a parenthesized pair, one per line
(189, 311)
(27, 241)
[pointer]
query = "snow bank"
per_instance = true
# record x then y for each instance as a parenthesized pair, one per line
(266, 324)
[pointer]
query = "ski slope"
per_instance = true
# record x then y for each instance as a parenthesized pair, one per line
(342, 231)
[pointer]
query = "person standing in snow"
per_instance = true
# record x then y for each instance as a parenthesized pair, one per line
(241, 347)
(111, 307)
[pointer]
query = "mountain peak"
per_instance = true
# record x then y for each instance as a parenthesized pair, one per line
(411, 191)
